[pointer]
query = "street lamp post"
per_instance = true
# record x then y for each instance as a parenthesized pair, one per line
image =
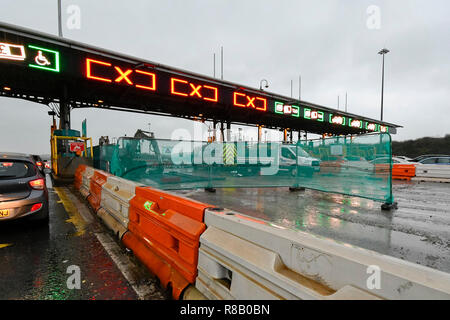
(382, 52)
(261, 88)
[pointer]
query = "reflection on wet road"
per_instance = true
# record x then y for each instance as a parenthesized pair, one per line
(35, 258)
(418, 232)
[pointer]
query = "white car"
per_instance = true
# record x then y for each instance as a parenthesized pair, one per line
(398, 160)
(408, 159)
(357, 163)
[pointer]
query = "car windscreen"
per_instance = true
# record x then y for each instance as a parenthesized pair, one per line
(300, 152)
(13, 169)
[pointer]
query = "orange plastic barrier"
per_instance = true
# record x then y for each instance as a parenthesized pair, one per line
(168, 229)
(330, 166)
(167, 275)
(403, 171)
(382, 169)
(95, 188)
(78, 180)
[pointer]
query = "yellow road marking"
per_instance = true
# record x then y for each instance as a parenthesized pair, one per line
(4, 245)
(74, 216)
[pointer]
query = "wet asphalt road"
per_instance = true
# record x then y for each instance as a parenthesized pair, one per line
(419, 231)
(34, 260)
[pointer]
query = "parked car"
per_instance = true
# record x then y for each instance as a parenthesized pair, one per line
(442, 160)
(305, 162)
(356, 163)
(408, 159)
(23, 192)
(425, 156)
(399, 160)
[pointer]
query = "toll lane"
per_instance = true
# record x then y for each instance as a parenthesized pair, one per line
(40, 261)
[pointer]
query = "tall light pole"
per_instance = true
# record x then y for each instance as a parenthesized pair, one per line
(382, 52)
(59, 19)
(261, 88)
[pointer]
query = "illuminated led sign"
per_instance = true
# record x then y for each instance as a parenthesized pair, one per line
(286, 109)
(185, 88)
(383, 128)
(245, 101)
(105, 72)
(43, 58)
(313, 115)
(335, 119)
(93, 75)
(354, 123)
(12, 51)
(371, 126)
(40, 58)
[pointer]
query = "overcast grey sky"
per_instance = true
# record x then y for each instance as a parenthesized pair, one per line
(333, 44)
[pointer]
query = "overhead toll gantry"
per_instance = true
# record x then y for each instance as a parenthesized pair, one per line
(47, 69)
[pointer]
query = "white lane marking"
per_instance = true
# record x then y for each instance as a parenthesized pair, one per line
(125, 265)
(122, 261)
(48, 181)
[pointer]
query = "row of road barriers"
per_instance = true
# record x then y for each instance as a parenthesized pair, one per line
(199, 250)
(244, 258)
(161, 229)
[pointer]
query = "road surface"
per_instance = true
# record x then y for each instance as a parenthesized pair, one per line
(419, 231)
(37, 261)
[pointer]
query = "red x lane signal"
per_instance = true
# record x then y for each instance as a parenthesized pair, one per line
(123, 75)
(181, 87)
(245, 101)
(96, 70)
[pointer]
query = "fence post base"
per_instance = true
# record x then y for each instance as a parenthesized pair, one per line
(292, 189)
(389, 206)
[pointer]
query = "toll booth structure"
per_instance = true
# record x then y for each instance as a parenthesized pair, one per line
(68, 151)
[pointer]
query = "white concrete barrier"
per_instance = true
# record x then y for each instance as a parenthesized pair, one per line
(433, 171)
(86, 181)
(240, 258)
(116, 195)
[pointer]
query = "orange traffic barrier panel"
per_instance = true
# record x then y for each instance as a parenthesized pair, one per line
(97, 181)
(403, 171)
(330, 166)
(382, 168)
(167, 274)
(165, 200)
(169, 226)
(78, 179)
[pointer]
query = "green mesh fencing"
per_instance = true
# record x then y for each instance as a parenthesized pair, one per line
(357, 166)
(102, 156)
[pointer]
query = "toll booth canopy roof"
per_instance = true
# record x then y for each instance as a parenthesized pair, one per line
(45, 68)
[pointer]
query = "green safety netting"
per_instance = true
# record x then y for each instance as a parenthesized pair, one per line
(102, 156)
(357, 166)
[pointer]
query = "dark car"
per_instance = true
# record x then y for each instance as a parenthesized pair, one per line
(39, 163)
(23, 192)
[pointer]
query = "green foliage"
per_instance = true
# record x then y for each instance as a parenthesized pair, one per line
(427, 145)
